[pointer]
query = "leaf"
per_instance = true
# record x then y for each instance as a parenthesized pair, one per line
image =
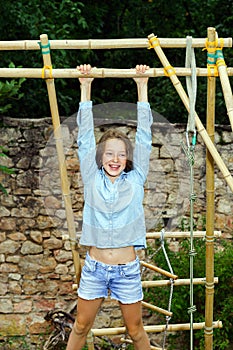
(6, 170)
(2, 188)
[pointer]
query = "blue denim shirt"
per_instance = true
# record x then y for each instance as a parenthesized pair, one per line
(113, 214)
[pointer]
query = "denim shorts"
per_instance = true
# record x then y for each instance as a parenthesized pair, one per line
(121, 282)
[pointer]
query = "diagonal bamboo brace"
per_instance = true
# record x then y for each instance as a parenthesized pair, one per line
(179, 88)
(157, 309)
(226, 88)
(157, 269)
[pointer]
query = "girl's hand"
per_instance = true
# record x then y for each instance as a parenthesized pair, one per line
(85, 69)
(141, 69)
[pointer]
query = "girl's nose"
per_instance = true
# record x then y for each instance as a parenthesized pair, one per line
(115, 157)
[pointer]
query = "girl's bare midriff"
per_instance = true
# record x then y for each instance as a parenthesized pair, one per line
(113, 256)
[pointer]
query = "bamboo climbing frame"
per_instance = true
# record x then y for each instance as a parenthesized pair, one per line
(213, 45)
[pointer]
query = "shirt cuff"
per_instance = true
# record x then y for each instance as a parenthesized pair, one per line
(145, 118)
(143, 105)
(85, 105)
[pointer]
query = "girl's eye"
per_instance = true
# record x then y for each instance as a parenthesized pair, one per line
(108, 154)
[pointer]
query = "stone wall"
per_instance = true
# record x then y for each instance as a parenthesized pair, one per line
(36, 268)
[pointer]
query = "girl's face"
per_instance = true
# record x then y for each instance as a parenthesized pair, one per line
(114, 158)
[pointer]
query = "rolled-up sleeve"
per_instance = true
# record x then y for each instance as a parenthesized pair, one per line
(143, 139)
(86, 140)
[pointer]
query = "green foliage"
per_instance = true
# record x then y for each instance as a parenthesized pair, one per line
(223, 338)
(89, 19)
(4, 169)
(21, 342)
(9, 90)
(16, 342)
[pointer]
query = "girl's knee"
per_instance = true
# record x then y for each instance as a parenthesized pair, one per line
(81, 328)
(136, 332)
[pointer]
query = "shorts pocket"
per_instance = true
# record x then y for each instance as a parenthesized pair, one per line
(131, 271)
(89, 266)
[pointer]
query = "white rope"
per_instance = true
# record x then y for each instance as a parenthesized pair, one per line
(151, 256)
(168, 318)
(191, 83)
(192, 89)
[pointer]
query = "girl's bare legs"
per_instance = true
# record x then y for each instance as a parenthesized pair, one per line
(132, 314)
(86, 313)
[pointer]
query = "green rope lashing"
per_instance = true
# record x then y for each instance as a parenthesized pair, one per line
(194, 139)
(215, 56)
(44, 48)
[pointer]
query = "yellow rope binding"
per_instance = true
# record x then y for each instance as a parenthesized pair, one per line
(212, 70)
(221, 62)
(153, 42)
(50, 72)
(208, 44)
(215, 57)
(169, 71)
(213, 43)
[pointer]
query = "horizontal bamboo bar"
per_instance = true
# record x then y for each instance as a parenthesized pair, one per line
(157, 269)
(155, 329)
(178, 282)
(129, 341)
(97, 72)
(171, 234)
(157, 309)
(130, 43)
(163, 283)
(181, 234)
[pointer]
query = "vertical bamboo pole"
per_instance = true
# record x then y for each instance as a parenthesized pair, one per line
(210, 121)
(62, 166)
(61, 157)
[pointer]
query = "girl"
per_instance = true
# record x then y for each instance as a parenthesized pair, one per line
(113, 216)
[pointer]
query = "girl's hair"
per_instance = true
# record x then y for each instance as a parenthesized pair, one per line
(115, 134)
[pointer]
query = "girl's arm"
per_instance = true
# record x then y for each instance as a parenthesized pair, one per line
(142, 83)
(86, 138)
(85, 82)
(143, 137)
